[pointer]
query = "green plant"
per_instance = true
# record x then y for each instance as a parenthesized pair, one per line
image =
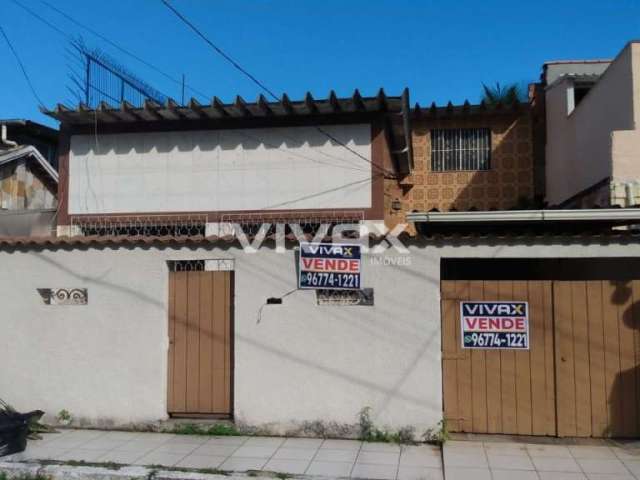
(217, 429)
(370, 433)
(510, 93)
(439, 434)
(64, 416)
(26, 476)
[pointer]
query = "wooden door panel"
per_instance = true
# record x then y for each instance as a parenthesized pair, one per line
(499, 391)
(199, 372)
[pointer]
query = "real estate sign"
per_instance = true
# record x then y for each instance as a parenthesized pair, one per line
(330, 266)
(494, 325)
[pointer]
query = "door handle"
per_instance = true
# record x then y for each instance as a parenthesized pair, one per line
(563, 359)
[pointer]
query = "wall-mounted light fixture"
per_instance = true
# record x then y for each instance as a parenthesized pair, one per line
(396, 204)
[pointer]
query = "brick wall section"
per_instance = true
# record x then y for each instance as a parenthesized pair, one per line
(508, 184)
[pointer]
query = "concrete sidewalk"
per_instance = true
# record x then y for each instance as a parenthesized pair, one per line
(502, 460)
(293, 456)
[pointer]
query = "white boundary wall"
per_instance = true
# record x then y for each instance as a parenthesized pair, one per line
(106, 362)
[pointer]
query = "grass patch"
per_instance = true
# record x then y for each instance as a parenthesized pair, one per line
(217, 429)
(4, 476)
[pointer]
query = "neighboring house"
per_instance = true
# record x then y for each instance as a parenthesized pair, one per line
(592, 131)
(203, 167)
(28, 179)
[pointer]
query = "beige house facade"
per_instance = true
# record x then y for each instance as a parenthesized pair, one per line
(592, 136)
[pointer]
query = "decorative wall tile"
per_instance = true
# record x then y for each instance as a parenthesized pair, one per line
(64, 296)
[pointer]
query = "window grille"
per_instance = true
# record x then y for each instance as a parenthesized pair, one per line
(460, 149)
(142, 225)
(186, 265)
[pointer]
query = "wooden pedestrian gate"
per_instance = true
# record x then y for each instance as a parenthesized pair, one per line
(200, 343)
(578, 379)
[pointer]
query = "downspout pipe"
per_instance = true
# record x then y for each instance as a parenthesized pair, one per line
(3, 137)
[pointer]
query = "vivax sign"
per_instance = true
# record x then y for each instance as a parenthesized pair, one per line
(334, 266)
(495, 325)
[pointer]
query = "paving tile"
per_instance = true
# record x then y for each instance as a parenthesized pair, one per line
(121, 457)
(296, 467)
(333, 444)
(609, 476)
(240, 464)
(330, 469)
(305, 443)
(379, 458)
(122, 436)
(201, 461)
(419, 473)
(509, 462)
(464, 444)
(102, 444)
(171, 447)
(430, 450)
(586, 451)
(68, 441)
(215, 449)
(253, 451)
(156, 437)
(633, 466)
(459, 459)
(380, 447)
(264, 442)
(380, 472)
(39, 453)
(190, 439)
(555, 464)
(81, 455)
(460, 473)
(284, 453)
(498, 474)
(626, 453)
(561, 476)
(160, 458)
(420, 459)
(137, 446)
(505, 448)
(549, 451)
(230, 440)
(602, 465)
(336, 455)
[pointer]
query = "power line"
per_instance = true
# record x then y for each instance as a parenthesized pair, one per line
(122, 49)
(219, 50)
(24, 71)
(238, 67)
(102, 37)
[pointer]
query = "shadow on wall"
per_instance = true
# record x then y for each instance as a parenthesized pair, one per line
(210, 140)
(624, 399)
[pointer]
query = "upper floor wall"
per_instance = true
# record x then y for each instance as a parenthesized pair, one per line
(480, 161)
(220, 171)
(591, 129)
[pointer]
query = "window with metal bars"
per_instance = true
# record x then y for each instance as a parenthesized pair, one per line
(456, 149)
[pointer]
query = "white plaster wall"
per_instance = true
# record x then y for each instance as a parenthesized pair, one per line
(214, 170)
(106, 362)
(579, 144)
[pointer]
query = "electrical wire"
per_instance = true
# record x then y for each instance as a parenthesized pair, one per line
(102, 37)
(24, 71)
(238, 67)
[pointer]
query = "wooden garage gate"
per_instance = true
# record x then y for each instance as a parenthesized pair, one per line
(580, 377)
(200, 343)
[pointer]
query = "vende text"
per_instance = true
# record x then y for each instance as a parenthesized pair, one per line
(330, 265)
(495, 324)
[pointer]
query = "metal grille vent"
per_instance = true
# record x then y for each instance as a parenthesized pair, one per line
(362, 297)
(186, 265)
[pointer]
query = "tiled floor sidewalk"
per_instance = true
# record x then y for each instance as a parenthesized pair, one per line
(331, 458)
(521, 461)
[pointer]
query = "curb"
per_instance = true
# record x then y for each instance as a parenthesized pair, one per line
(65, 472)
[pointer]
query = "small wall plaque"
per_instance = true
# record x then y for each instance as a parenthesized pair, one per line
(64, 296)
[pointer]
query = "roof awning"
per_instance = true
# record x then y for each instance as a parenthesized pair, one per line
(395, 109)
